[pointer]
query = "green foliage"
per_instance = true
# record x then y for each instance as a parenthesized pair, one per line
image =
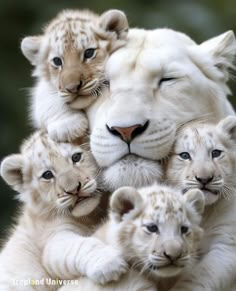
(199, 19)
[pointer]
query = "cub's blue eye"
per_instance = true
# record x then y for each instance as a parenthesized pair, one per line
(216, 153)
(47, 175)
(184, 229)
(152, 227)
(185, 156)
(76, 157)
(89, 53)
(57, 61)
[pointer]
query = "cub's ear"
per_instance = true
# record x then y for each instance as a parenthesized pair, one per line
(126, 202)
(30, 47)
(222, 49)
(115, 25)
(227, 126)
(11, 171)
(196, 200)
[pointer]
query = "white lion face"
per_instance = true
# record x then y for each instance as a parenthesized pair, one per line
(158, 81)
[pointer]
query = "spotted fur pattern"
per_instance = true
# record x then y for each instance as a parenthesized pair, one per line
(157, 230)
(57, 184)
(68, 60)
(204, 158)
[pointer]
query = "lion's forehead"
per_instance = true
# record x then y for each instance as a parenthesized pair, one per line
(159, 41)
(150, 59)
(158, 37)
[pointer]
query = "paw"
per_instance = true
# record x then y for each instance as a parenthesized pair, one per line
(108, 267)
(58, 133)
(81, 126)
(67, 132)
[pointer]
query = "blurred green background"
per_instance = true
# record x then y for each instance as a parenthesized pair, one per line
(200, 19)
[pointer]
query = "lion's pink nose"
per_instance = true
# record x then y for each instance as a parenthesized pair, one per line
(127, 134)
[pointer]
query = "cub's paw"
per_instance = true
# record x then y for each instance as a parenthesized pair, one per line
(58, 132)
(109, 266)
(67, 131)
(81, 125)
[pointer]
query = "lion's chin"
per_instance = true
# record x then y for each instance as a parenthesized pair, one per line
(132, 171)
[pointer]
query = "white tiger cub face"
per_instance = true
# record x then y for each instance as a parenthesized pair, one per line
(71, 54)
(158, 227)
(53, 177)
(204, 158)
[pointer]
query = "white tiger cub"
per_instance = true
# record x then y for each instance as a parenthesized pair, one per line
(204, 157)
(56, 183)
(157, 230)
(69, 59)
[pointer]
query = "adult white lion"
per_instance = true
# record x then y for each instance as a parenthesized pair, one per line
(160, 79)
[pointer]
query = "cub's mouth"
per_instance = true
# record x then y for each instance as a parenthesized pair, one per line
(87, 191)
(82, 199)
(166, 266)
(166, 270)
(203, 189)
(84, 97)
(87, 90)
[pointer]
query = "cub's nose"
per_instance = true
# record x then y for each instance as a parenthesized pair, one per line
(173, 256)
(73, 87)
(127, 134)
(204, 180)
(172, 250)
(75, 190)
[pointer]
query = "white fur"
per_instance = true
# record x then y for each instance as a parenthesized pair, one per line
(49, 111)
(136, 96)
(126, 231)
(216, 269)
(51, 238)
(131, 281)
(56, 102)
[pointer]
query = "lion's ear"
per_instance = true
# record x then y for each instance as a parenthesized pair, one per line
(30, 47)
(115, 25)
(227, 126)
(222, 49)
(126, 203)
(11, 171)
(196, 200)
